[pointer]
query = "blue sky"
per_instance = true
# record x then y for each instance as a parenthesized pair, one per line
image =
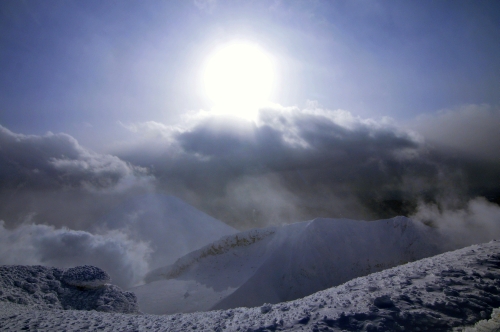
(76, 65)
(377, 104)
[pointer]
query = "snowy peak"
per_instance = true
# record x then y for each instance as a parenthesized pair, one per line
(166, 209)
(284, 263)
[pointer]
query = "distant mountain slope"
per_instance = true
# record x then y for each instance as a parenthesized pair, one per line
(282, 263)
(173, 227)
(440, 293)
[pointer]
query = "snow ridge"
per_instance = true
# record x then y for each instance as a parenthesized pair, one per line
(225, 244)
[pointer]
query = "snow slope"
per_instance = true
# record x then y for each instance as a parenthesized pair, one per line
(450, 290)
(172, 227)
(279, 264)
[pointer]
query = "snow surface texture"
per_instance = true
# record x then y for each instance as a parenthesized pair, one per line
(277, 264)
(451, 290)
(46, 288)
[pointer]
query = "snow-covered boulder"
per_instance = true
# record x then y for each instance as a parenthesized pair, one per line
(86, 276)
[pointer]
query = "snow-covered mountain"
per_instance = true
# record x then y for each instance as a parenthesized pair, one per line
(172, 227)
(279, 264)
(441, 293)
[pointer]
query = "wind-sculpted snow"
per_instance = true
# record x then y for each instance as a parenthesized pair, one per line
(48, 288)
(279, 264)
(451, 290)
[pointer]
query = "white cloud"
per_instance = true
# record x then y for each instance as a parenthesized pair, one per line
(126, 260)
(477, 222)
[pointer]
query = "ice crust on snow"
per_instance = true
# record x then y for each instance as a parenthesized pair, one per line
(86, 276)
(277, 264)
(449, 291)
(48, 288)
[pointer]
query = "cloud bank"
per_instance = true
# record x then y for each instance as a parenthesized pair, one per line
(477, 222)
(58, 161)
(290, 165)
(295, 164)
(469, 130)
(55, 179)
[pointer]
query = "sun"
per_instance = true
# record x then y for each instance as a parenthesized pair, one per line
(239, 78)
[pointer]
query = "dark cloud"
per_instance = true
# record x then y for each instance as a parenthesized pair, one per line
(56, 181)
(297, 164)
(58, 161)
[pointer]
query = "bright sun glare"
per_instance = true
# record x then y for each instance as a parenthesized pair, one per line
(239, 78)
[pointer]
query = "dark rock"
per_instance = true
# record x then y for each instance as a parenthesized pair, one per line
(383, 302)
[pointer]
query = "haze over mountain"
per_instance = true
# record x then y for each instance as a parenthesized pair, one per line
(172, 227)
(142, 233)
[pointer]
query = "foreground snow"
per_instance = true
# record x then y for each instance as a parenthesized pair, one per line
(454, 289)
